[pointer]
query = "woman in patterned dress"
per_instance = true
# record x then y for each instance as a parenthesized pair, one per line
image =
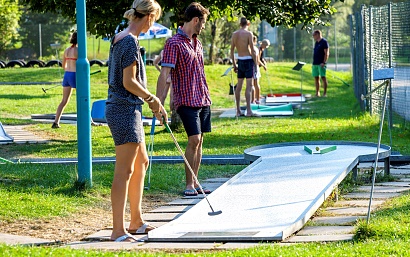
(126, 94)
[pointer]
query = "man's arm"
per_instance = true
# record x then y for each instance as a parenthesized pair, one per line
(162, 86)
(233, 52)
(156, 62)
(252, 49)
(327, 52)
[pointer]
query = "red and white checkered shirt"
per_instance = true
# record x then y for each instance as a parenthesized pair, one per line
(185, 58)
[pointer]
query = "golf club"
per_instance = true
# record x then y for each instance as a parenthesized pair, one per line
(268, 76)
(344, 82)
(95, 72)
(151, 149)
(212, 213)
(45, 89)
(232, 85)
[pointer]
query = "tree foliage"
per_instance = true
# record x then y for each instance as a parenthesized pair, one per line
(54, 29)
(288, 13)
(104, 16)
(9, 17)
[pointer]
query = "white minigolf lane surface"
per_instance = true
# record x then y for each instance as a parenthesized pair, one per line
(273, 197)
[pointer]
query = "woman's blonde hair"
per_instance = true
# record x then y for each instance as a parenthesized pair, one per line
(141, 8)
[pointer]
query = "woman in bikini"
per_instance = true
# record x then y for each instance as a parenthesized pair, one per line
(69, 65)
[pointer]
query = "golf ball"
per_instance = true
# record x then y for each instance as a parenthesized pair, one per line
(317, 148)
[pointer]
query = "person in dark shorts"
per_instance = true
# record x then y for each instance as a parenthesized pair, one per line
(126, 94)
(69, 83)
(320, 57)
(242, 40)
(183, 59)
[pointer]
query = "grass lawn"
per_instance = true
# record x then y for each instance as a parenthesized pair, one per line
(50, 187)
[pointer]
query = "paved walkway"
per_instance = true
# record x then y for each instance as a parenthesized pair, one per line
(21, 135)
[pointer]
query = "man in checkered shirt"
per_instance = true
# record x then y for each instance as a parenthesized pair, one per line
(183, 58)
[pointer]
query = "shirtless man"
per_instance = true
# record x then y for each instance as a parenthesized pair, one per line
(242, 40)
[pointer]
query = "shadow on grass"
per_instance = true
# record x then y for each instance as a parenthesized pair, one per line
(22, 96)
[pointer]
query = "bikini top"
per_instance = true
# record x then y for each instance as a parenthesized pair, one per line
(71, 58)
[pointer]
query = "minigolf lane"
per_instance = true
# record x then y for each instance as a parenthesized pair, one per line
(274, 196)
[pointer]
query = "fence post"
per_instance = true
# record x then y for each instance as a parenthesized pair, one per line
(370, 61)
(390, 66)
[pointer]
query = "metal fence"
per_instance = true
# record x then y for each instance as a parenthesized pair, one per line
(380, 39)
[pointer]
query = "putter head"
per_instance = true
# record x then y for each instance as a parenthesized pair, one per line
(214, 213)
(44, 90)
(227, 71)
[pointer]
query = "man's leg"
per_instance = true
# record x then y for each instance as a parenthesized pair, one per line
(257, 90)
(238, 96)
(317, 85)
(324, 80)
(248, 94)
(193, 154)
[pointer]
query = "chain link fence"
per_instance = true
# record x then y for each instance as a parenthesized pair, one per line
(379, 39)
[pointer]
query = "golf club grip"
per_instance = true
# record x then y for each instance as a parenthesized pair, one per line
(153, 125)
(166, 125)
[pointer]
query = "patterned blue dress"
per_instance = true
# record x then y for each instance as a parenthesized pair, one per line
(123, 109)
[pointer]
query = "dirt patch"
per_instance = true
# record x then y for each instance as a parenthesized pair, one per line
(76, 226)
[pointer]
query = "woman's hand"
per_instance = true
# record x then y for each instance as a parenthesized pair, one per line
(156, 107)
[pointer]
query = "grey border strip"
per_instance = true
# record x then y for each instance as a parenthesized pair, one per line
(206, 159)
(362, 158)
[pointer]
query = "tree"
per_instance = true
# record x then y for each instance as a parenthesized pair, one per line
(54, 29)
(9, 17)
(288, 13)
(104, 16)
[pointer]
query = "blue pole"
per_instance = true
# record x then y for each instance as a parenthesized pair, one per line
(83, 99)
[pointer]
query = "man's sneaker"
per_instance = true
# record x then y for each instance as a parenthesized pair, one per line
(55, 126)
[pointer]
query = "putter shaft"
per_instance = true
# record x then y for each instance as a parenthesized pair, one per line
(190, 169)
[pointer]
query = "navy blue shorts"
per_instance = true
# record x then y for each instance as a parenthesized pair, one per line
(196, 120)
(245, 69)
(69, 79)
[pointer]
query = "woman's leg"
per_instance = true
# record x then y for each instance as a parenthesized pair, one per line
(124, 167)
(66, 98)
(257, 90)
(136, 187)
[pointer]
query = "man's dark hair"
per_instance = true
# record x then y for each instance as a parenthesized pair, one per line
(244, 22)
(195, 10)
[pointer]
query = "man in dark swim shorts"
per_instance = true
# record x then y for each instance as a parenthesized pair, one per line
(242, 40)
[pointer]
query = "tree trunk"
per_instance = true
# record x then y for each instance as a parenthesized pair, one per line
(211, 48)
(176, 123)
